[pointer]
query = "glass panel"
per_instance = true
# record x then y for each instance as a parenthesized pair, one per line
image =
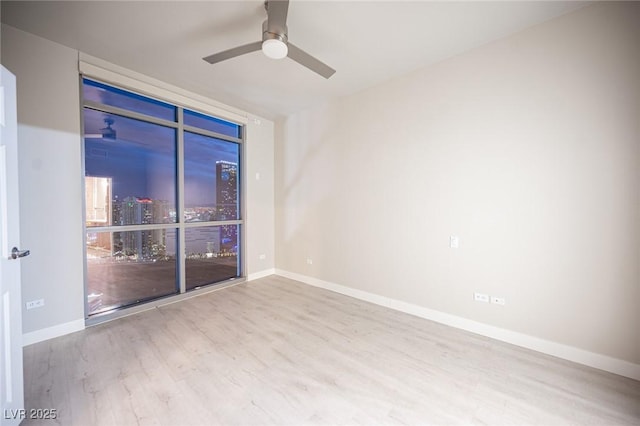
(196, 119)
(124, 268)
(212, 254)
(137, 160)
(113, 96)
(210, 178)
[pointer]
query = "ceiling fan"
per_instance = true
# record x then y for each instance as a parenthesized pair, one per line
(275, 42)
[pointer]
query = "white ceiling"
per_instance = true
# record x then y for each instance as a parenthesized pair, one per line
(367, 42)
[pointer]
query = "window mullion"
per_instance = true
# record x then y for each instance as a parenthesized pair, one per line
(181, 252)
(125, 228)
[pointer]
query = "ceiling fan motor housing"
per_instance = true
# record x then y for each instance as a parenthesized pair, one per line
(276, 33)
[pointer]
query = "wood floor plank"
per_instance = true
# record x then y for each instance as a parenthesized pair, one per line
(275, 351)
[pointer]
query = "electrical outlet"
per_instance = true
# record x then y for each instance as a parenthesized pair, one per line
(262, 257)
(498, 300)
(481, 297)
(309, 261)
(35, 304)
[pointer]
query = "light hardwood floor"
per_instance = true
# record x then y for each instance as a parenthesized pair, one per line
(275, 351)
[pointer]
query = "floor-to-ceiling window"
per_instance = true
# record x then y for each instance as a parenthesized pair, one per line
(162, 197)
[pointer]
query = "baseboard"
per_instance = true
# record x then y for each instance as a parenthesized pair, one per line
(51, 332)
(261, 274)
(570, 353)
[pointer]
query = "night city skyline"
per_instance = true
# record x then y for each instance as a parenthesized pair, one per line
(149, 171)
(141, 156)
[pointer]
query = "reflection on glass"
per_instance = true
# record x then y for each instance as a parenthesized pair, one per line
(212, 254)
(112, 96)
(196, 119)
(98, 200)
(210, 179)
(137, 160)
(125, 268)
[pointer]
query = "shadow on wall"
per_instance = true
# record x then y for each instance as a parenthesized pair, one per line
(303, 185)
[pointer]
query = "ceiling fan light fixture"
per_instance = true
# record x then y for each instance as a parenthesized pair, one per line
(275, 42)
(274, 48)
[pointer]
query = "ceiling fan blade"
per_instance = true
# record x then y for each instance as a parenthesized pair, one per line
(303, 58)
(232, 53)
(277, 16)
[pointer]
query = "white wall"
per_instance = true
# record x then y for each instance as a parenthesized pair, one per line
(50, 175)
(260, 211)
(51, 183)
(528, 149)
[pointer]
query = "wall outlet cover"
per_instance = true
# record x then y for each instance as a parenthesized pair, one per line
(35, 304)
(498, 300)
(481, 297)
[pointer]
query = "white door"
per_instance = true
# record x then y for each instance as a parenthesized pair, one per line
(11, 387)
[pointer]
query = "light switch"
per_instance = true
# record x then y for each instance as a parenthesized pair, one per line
(454, 242)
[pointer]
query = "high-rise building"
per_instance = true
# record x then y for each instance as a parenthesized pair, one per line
(227, 190)
(227, 203)
(140, 211)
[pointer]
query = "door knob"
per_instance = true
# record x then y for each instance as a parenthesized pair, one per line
(15, 253)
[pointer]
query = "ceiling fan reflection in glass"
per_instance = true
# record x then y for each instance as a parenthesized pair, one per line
(108, 133)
